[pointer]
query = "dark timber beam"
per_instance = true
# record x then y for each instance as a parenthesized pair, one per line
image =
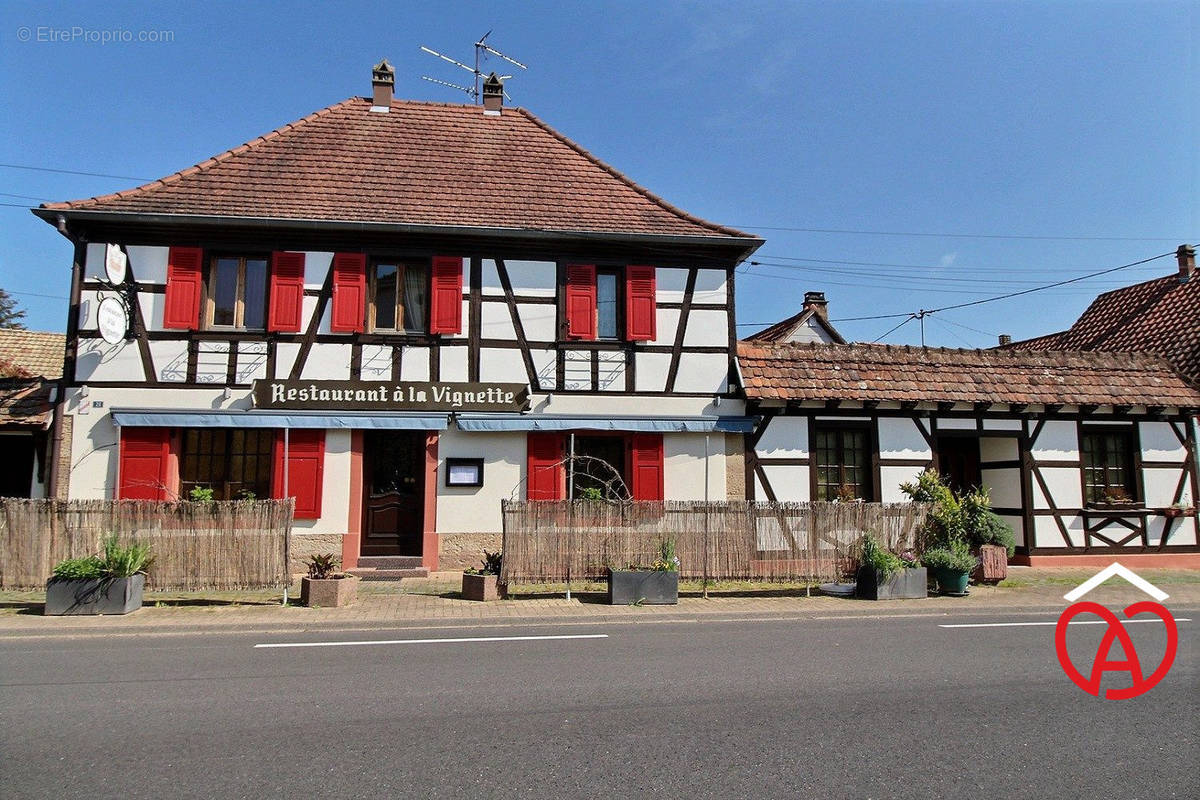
(908, 405)
(982, 407)
(832, 404)
(1088, 408)
(1017, 408)
(1053, 408)
(944, 406)
(870, 404)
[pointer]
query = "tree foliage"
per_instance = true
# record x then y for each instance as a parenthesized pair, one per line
(10, 315)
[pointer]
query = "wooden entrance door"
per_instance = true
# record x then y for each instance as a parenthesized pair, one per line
(958, 461)
(394, 488)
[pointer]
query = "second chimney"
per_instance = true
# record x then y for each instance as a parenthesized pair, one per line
(1186, 256)
(383, 82)
(1005, 339)
(493, 95)
(815, 301)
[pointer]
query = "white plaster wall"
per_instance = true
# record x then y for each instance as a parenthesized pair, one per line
(955, 424)
(1159, 443)
(1047, 534)
(94, 268)
(100, 361)
(998, 448)
(1018, 526)
(684, 466)
(531, 278)
(1058, 441)
(890, 479)
(790, 483)
(901, 438)
(285, 357)
(711, 286)
(1065, 488)
(1004, 486)
(335, 488)
(454, 364)
(1002, 424)
(809, 331)
(94, 450)
(251, 362)
(414, 364)
(707, 329)
(537, 321)
(466, 316)
(1185, 532)
(670, 283)
(89, 303)
(495, 322)
(316, 267)
(327, 362)
(577, 369)
(151, 305)
(633, 406)
(702, 372)
(376, 362)
(170, 359)
(1160, 486)
(544, 363)
(504, 366)
(148, 263)
(666, 326)
(611, 372)
(308, 308)
(212, 362)
(477, 510)
(784, 437)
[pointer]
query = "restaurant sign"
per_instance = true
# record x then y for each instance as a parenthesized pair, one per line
(390, 396)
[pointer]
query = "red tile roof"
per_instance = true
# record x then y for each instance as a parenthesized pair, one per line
(895, 373)
(780, 331)
(420, 164)
(29, 354)
(1160, 316)
(25, 402)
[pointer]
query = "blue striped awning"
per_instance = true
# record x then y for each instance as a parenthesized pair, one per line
(544, 422)
(154, 418)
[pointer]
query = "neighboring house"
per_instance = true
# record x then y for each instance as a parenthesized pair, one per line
(406, 312)
(1083, 453)
(810, 325)
(30, 366)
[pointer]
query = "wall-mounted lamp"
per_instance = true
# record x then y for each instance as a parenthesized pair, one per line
(549, 398)
(228, 393)
(84, 391)
(716, 401)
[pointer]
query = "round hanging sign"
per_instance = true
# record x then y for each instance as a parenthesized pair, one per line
(112, 320)
(115, 262)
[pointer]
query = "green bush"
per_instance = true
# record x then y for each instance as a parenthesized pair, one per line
(964, 517)
(871, 554)
(322, 565)
(75, 568)
(955, 556)
(201, 494)
(115, 561)
(990, 529)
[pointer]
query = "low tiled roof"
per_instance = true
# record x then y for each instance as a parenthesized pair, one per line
(419, 164)
(25, 402)
(31, 353)
(780, 331)
(1160, 316)
(900, 373)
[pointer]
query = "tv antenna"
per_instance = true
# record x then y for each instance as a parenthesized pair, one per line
(482, 51)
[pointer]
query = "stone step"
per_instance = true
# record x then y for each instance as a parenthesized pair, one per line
(388, 562)
(371, 574)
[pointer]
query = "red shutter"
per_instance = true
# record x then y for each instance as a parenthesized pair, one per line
(185, 279)
(305, 469)
(641, 309)
(287, 292)
(581, 301)
(445, 297)
(143, 466)
(646, 466)
(349, 293)
(547, 477)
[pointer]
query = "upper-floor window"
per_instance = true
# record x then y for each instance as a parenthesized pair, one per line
(609, 303)
(1108, 466)
(237, 292)
(843, 462)
(399, 297)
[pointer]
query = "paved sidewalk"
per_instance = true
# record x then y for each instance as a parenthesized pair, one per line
(434, 602)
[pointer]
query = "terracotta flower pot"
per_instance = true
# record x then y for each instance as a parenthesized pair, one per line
(329, 592)
(481, 586)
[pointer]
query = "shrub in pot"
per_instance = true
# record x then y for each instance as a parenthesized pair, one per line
(883, 575)
(324, 586)
(951, 565)
(110, 583)
(655, 584)
(483, 584)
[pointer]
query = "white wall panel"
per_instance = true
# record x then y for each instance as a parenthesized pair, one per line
(309, 307)
(251, 362)
(151, 305)
(537, 321)
(316, 267)
(1160, 486)
(503, 366)
(791, 483)
(666, 326)
(454, 364)
(684, 466)
(89, 302)
(711, 286)
(376, 362)
(955, 424)
(100, 361)
(544, 365)
(285, 357)
(707, 329)
(890, 479)
(148, 263)
(998, 448)
(577, 370)
(94, 268)
(1159, 443)
(496, 322)
(1018, 526)
(1064, 486)
(170, 359)
(1004, 486)
(414, 364)
(212, 362)
(702, 372)
(784, 437)
(327, 362)
(1058, 441)
(670, 283)
(532, 278)
(611, 372)
(1002, 424)
(335, 488)
(901, 438)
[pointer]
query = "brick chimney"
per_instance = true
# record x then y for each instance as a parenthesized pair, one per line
(1005, 339)
(1186, 256)
(815, 301)
(383, 82)
(493, 95)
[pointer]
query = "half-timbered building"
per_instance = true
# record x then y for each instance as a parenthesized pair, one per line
(400, 313)
(1085, 454)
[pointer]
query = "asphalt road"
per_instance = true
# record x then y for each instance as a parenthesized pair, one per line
(891, 707)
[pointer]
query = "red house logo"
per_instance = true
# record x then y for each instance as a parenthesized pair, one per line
(1140, 683)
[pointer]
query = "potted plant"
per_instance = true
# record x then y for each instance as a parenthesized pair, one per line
(1115, 498)
(324, 586)
(951, 564)
(990, 537)
(484, 583)
(111, 583)
(1178, 510)
(656, 584)
(883, 575)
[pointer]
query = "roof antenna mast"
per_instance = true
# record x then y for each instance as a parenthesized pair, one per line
(482, 51)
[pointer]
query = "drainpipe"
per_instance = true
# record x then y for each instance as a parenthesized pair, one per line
(287, 540)
(706, 515)
(570, 500)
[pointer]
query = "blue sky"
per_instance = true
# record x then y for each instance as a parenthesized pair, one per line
(1069, 127)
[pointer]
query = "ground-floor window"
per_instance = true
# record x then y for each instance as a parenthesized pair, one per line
(843, 462)
(234, 463)
(1108, 466)
(599, 469)
(605, 466)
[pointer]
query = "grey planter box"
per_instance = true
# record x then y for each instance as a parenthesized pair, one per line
(906, 584)
(649, 587)
(94, 595)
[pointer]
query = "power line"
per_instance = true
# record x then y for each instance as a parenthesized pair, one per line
(35, 294)
(24, 196)
(964, 235)
(938, 267)
(893, 330)
(74, 172)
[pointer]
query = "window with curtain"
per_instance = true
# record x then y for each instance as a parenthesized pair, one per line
(237, 292)
(843, 463)
(1108, 466)
(399, 297)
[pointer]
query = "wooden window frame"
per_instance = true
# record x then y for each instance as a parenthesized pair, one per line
(402, 266)
(867, 485)
(226, 457)
(619, 277)
(1129, 446)
(239, 306)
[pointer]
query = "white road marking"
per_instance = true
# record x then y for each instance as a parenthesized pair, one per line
(437, 641)
(1117, 569)
(1072, 622)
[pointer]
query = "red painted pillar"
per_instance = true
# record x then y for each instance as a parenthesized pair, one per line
(429, 537)
(351, 542)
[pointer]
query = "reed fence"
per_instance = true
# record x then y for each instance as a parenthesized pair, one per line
(218, 545)
(564, 541)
